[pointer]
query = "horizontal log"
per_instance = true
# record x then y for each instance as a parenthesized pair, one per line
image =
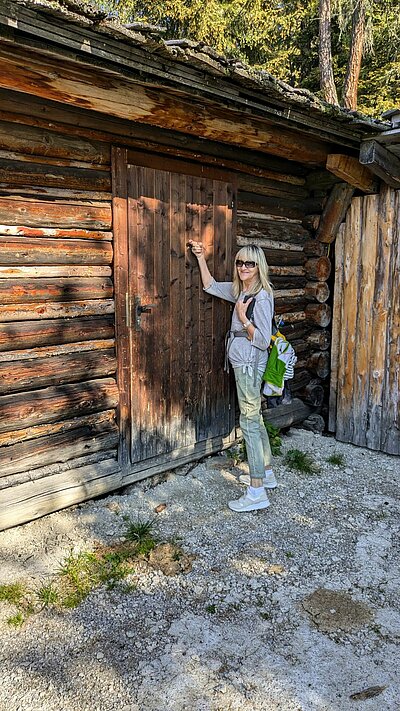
(53, 233)
(41, 142)
(20, 291)
(301, 378)
(29, 433)
(314, 248)
(319, 339)
(42, 192)
(318, 314)
(317, 291)
(284, 303)
(22, 410)
(40, 452)
(311, 222)
(31, 500)
(288, 282)
(293, 209)
(59, 349)
(270, 188)
(53, 271)
(334, 212)
(295, 331)
(317, 363)
(318, 268)
(314, 423)
(272, 246)
(313, 393)
(66, 81)
(20, 375)
(59, 310)
(46, 160)
(281, 230)
(19, 173)
(24, 250)
(284, 416)
(289, 271)
(321, 180)
(35, 213)
(30, 334)
(351, 171)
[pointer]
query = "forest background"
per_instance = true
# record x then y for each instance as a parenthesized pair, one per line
(283, 37)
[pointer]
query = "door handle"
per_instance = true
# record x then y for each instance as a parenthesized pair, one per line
(139, 310)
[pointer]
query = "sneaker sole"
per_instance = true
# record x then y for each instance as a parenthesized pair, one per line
(253, 507)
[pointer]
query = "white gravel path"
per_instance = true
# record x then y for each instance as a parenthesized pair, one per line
(232, 634)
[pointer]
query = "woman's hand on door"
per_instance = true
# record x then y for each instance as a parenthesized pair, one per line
(197, 248)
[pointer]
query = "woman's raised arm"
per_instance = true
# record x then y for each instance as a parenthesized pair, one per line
(198, 251)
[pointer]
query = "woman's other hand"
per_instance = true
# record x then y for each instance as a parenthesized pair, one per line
(197, 248)
(241, 308)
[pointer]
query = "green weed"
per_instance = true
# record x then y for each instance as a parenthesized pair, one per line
(141, 534)
(301, 462)
(16, 620)
(12, 593)
(337, 459)
(47, 595)
(211, 609)
(275, 439)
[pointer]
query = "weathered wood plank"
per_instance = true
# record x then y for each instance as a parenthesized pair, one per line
(336, 325)
(39, 141)
(390, 429)
(21, 291)
(32, 192)
(60, 310)
(33, 213)
(24, 251)
(106, 92)
(381, 162)
(351, 171)
(364, 333)
(20, 375)
(380, 313)
(334, 212)
(348, 326)
(30, 334)
(286, 415)
(22, 410)
(293, 209)
(49, 233)
(40, 452)
(271, 188)
(29, 433)
(38, 498)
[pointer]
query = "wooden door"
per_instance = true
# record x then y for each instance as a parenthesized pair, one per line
(178, 399)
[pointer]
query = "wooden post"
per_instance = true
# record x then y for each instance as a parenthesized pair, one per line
(334, 212)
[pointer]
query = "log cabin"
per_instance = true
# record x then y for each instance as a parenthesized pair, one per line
(116, 147)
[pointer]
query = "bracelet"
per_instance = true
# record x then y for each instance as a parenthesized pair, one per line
(247, 324)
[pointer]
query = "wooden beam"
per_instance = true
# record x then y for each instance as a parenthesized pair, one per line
(382, 162)
(334, 212)
(107, 92)
(351, 171)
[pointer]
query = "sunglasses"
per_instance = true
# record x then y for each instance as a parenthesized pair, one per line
(249, 265)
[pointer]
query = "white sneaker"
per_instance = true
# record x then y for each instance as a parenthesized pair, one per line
(247, 503)
(269, 481)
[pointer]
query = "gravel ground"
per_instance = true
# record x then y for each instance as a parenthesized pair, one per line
(293, 608)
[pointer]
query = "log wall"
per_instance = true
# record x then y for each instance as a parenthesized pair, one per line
(365, 378)
(58, 388)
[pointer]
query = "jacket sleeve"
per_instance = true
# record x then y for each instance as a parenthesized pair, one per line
(262, 318)
(222, 289)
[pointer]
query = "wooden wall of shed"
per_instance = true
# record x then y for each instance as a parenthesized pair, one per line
(58, 389)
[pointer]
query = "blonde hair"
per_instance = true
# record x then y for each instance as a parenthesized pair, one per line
(252, 253)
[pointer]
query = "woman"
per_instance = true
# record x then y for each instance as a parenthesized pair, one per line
(247, 353)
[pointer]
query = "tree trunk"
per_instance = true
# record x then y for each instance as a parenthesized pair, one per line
(356, 50)
(327, 80)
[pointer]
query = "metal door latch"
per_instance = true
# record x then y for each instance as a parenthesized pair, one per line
(139, 310)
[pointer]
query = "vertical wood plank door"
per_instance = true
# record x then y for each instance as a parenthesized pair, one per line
(180, 399)
(365, 392)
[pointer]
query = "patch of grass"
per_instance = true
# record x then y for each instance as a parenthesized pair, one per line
(289, 554)
(275, 439)
(47, 595)
(140, 533)
(336, 459)
(12, 593)
(265, 615)
(211, 609)
(301, 462)
(16, 620)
